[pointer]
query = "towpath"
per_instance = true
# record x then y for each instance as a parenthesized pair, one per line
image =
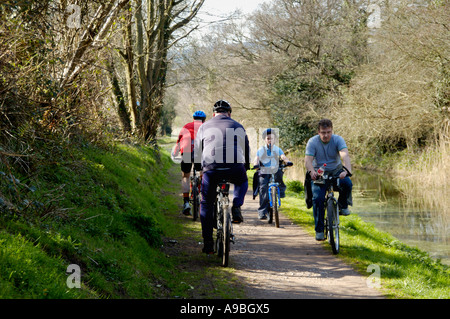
(287, 262)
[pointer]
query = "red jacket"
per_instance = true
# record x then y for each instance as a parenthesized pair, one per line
(185, 142)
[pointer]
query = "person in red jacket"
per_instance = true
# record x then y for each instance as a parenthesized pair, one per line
(185, 146)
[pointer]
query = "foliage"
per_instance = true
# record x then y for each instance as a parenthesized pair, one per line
(400, 99)
(295, 186)
(146, 227)
(317, 46)
(58, 72)
(106, 216)
(167, 115)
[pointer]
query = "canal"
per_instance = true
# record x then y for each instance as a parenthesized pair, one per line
(378, 199)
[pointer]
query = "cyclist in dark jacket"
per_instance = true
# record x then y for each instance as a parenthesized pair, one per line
(222, 147)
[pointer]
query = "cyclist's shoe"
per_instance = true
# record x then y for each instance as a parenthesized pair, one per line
(320, 236)
(208, 247)
(237, 216)
(344, 212)
(186, 209)
(263, 217)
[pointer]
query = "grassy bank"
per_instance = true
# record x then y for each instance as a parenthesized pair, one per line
(112, 211)
(406, 272)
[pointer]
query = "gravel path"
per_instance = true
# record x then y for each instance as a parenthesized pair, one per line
(286, 262)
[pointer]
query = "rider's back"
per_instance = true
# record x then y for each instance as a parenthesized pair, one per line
(224, 143)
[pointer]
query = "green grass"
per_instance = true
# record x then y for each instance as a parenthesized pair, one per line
(406, 272)
(111, 211)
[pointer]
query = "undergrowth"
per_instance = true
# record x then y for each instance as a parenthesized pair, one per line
(102, 208)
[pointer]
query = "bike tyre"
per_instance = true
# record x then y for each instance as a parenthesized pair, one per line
(195, 203)
(226, 236)
(275, 206)
(333, 228)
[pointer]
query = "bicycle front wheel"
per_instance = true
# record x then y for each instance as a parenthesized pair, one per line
(333, 225)
(275, 206)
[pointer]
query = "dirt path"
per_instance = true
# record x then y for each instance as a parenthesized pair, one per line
(286, 262)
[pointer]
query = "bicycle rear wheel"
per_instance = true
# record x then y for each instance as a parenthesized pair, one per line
(195, 202)
(226, 236)
(275, 206)
(223, 233)
(333, 225)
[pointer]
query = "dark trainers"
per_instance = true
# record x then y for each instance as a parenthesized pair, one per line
(237, 216)
(208, 247)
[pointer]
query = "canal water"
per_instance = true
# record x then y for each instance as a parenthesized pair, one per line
(378, 199)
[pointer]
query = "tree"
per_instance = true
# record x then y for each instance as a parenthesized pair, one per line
(315, 48)
(157, 23)
(400, 99)
(92, 36)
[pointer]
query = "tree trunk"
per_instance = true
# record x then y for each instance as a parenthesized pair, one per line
(119, 100)
(129, 67)
(152, 59)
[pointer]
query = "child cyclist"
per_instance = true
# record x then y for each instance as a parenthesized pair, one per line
(268, 158)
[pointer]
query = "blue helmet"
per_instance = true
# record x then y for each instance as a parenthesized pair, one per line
(199, 115)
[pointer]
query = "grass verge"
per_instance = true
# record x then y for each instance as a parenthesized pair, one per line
(113, 211)
(405, 272)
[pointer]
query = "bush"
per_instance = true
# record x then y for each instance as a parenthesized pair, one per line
(146, 227)
(295, 186)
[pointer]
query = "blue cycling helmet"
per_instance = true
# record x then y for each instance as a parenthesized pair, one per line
(199, 115)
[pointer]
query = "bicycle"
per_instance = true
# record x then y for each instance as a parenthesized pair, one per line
(274, 195)
(222, 212)
(194, 199)
(195, 182)
(331, 221)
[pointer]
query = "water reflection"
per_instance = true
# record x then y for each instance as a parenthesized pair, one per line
(378, 199)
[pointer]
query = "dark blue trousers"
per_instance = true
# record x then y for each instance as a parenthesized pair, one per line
(236, 175)
(264, 180)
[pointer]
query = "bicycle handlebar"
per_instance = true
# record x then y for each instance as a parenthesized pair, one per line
(288, 164)
(348, 172)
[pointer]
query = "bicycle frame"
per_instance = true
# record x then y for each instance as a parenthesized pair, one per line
(330, 196)
(272, 184)
(331, 220)
(274, 204)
